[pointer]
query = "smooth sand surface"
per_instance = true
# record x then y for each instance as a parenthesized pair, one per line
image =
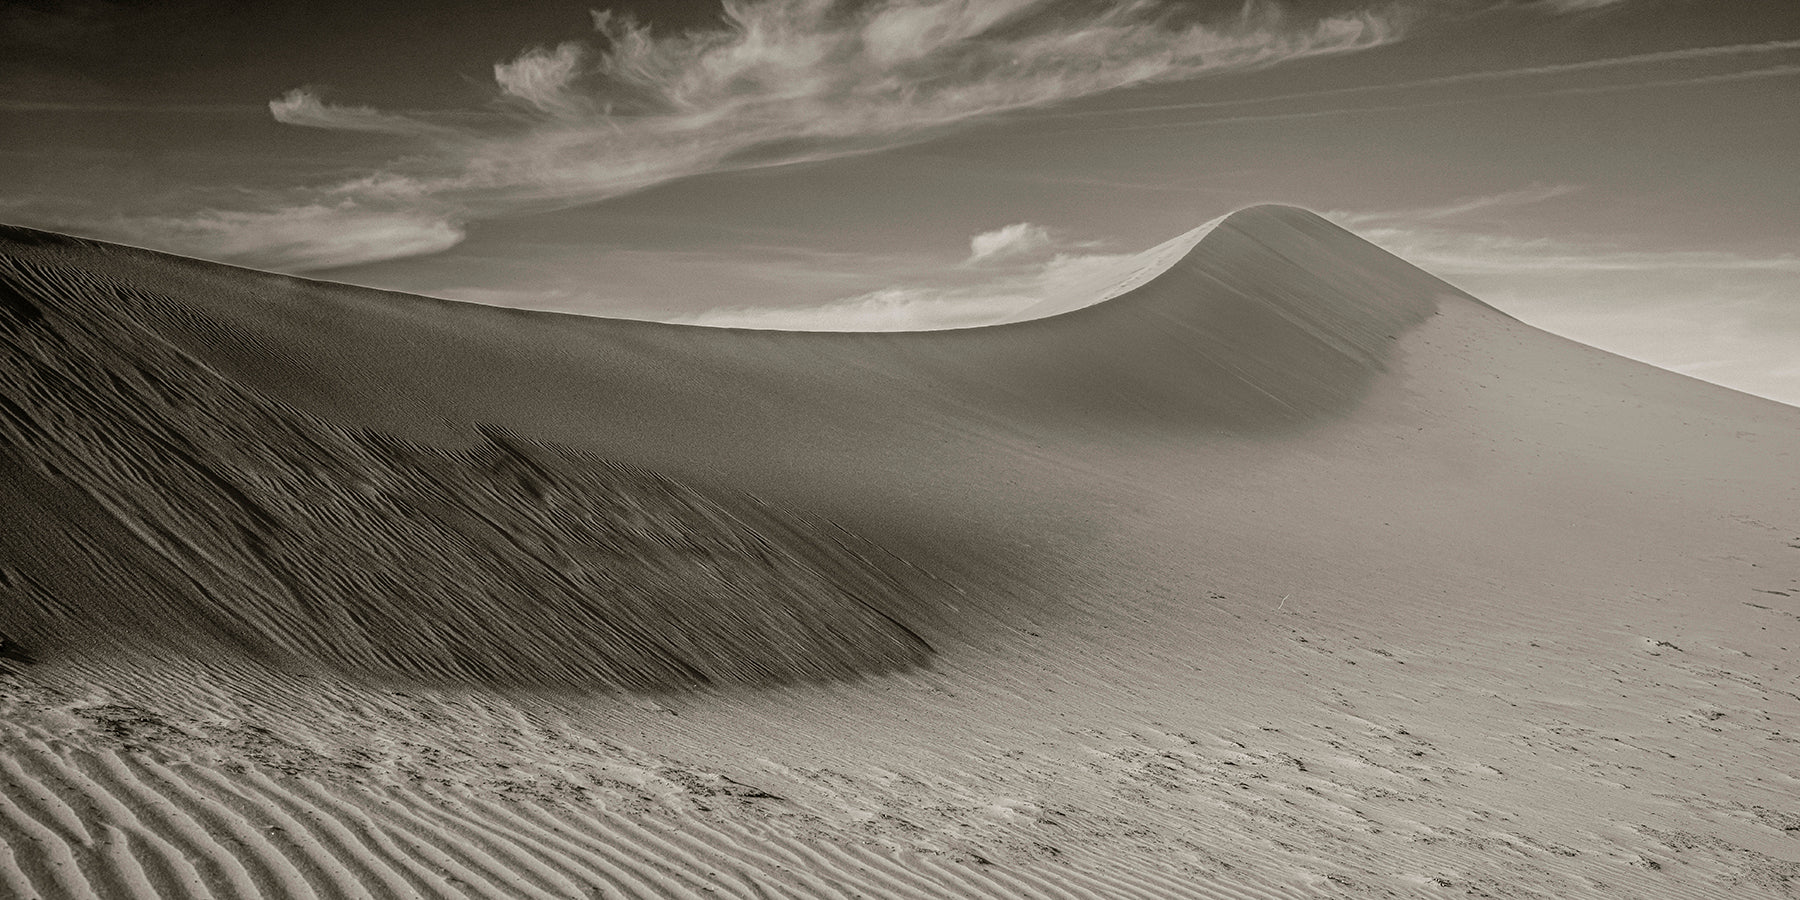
(1291, 570)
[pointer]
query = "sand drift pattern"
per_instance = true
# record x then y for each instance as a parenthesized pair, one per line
(309, 544)
(114, 823)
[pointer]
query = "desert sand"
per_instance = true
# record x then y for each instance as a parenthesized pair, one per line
(1290, 570)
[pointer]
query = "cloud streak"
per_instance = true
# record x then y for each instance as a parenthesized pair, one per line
(1688, 54)
(297, 238)
(781, 81)
(305, 108)
(1777, 71)
(1457, 208)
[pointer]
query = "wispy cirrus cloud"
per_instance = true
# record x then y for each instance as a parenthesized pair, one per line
(780, 81)
(1527, 196)
(544, 80)
(1635, 60)
(297, 238)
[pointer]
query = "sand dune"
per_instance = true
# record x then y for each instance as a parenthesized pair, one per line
(1290, 570)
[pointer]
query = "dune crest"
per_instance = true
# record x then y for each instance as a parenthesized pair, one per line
(214, 419)
(222, 453)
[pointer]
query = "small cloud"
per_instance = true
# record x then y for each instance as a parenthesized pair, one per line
(1013, 240)
(304, 107)
(542, 78)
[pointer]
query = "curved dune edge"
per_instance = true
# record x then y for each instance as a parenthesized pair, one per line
(1292, 573)
(1128, 275)
(1131, 274)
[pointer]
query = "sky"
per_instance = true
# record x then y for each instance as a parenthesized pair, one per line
(1618, 171)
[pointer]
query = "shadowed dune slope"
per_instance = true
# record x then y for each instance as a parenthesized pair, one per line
(228, 517)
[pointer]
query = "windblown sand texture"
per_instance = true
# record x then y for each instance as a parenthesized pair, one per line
(1289, 571)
